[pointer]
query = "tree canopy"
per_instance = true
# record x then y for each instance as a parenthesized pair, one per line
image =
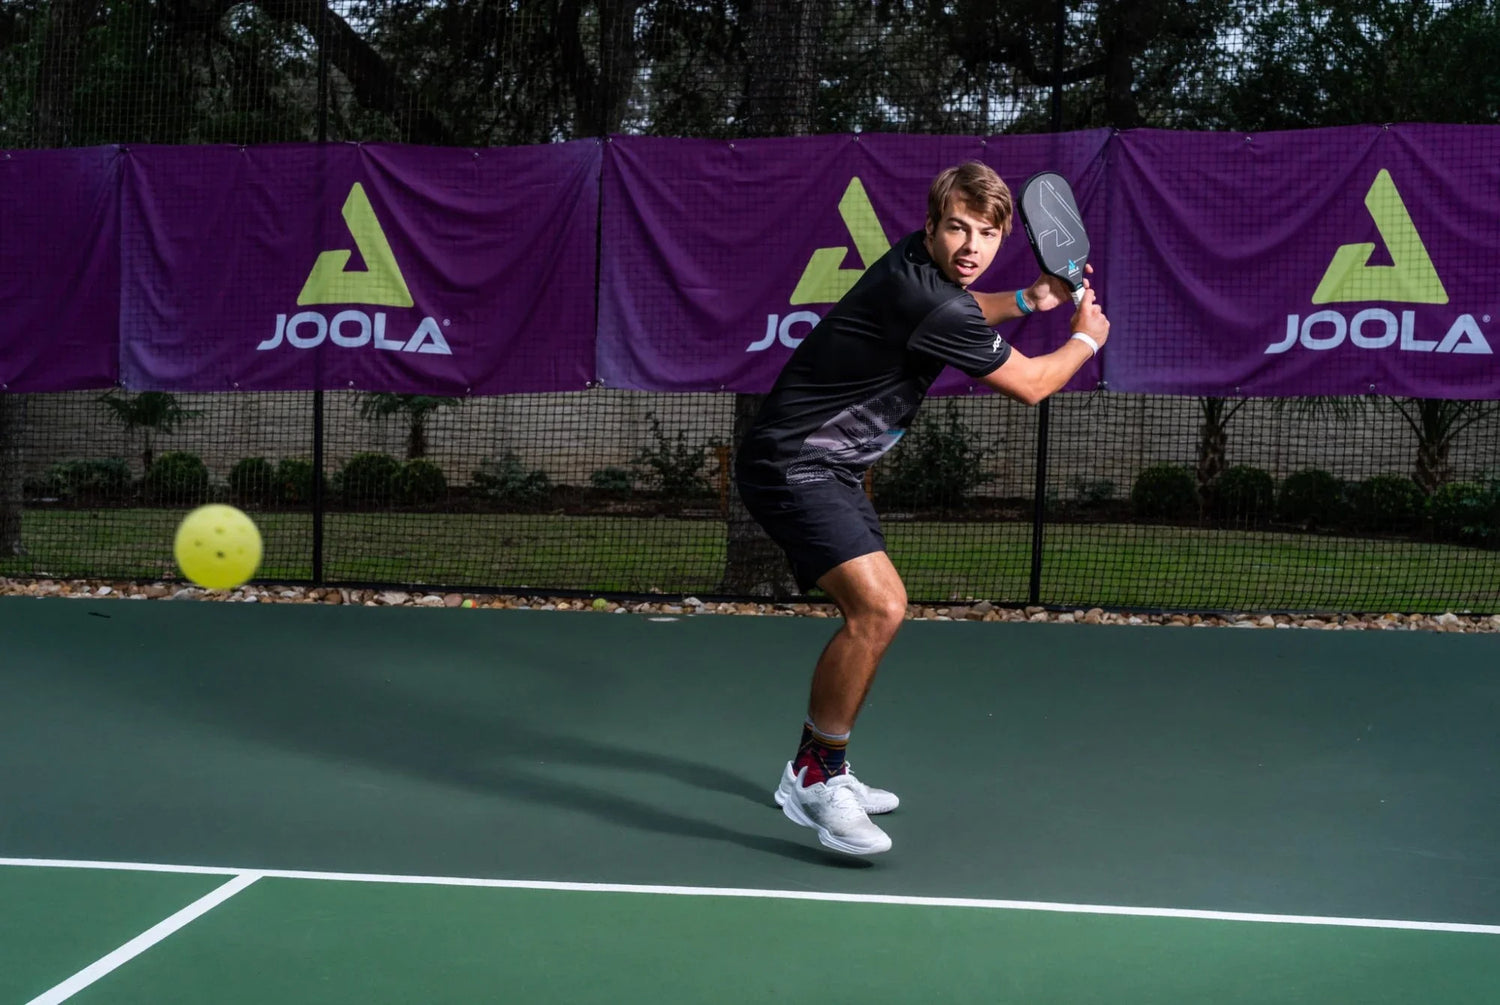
(497, 72)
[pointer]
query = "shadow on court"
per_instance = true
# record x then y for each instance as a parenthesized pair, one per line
(450, 731)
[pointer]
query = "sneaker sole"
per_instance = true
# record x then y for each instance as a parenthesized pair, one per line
(794, 813)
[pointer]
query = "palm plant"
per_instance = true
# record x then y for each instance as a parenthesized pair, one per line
(152, 412)
(1437, 424)
(415, 409)
(1213, 438)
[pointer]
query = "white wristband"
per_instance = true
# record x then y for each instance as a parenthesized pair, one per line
(1088, 340)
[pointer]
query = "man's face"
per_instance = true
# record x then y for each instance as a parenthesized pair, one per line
(962, 243)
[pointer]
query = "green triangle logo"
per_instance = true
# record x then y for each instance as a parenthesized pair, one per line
(824, 281)
(1411, 279)
(381, 282)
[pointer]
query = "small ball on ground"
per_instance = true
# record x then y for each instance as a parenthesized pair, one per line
(600, 603)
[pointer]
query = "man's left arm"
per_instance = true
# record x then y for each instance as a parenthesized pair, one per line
(998, 307)
(1043, 295)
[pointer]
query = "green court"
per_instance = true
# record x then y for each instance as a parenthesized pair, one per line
(241, 803)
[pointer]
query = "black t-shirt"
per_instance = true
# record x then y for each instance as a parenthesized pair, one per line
(852, 387)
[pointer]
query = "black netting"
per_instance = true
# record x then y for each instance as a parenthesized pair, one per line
(1358, 504)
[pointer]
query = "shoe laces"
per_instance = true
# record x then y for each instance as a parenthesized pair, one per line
(858, 786)
(842, 794)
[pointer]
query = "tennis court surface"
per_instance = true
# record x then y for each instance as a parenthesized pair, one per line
(241, 803)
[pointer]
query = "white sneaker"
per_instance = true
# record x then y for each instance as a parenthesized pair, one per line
(872, 800)
(832, 809)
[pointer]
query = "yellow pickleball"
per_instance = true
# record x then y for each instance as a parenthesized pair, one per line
(217, 547)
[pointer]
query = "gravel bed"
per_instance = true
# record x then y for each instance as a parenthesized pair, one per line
(977, 611)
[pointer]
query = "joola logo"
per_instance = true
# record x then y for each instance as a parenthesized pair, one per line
(1411, 278)
(825, 280)
(380, 284)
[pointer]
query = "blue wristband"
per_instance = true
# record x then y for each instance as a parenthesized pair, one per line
(1021, 303)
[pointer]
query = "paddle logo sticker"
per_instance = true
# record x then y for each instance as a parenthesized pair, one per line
(380, 283)
(1411, 278)
(825, 280)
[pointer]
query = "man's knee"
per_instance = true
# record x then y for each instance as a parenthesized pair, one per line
(869, 592)
(879, 612)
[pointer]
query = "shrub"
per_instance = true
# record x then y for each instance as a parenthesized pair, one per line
(1466, 513)
(1242, 493)
(937, 465)
(253, 480)
(1165, 492)
(368, 479)
(675, 469)
(1387, 503)
(176, 478)
(421, 482)
(105, 480)
(294, 481)
(504, 479)
(1312, 498)
(1091, 491)
(612, 481)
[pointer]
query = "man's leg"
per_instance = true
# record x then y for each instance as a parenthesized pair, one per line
(869, 592)
(815, 789)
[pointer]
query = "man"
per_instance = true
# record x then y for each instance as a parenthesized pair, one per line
(845, 396)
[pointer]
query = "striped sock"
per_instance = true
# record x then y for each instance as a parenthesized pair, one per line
(821, 754)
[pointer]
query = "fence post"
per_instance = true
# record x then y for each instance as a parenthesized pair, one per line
(318, 501)
(1044, 410)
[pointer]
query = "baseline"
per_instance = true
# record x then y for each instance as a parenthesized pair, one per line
(244, 878)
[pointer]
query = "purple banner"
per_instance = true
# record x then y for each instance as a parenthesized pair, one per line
(1327, 262)
(1322, 262)
(719, 257)
(434, 271)
(59, 269)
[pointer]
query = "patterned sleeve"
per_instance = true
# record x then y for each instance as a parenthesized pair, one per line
(955, 333)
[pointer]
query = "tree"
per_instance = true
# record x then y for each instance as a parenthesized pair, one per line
(154, 413)
(1437, 424)
(491, 67)
(415, 409)
(66, 22)
(694, 74)
(1136, 63)
(601, 86)
(1356, 61)
(12, 423)
(1213, 440)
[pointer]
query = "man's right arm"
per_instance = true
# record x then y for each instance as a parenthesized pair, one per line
(1030, 379)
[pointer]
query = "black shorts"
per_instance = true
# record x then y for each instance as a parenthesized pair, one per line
(820, 525)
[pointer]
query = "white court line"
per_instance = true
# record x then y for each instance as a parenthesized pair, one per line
(138, 945)
(710, 891)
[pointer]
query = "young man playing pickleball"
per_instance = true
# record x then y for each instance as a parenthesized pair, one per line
(844, 398)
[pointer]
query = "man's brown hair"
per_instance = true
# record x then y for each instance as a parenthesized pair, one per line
(975, 185)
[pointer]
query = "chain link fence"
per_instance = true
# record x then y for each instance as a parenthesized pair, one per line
(1367, 504)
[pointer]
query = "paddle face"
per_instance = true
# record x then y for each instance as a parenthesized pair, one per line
(1055, 228)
